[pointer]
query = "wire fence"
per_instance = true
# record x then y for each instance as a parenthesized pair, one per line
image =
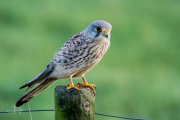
(53, 110)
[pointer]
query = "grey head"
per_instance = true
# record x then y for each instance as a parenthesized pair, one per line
(98, 30)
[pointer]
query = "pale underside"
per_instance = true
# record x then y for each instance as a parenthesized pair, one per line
(74, 59)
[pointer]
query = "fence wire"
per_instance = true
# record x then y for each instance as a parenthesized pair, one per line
(53, 110)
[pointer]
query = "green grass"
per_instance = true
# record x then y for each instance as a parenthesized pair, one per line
(138, 76)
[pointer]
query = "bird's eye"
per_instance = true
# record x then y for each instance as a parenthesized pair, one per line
(98, 29)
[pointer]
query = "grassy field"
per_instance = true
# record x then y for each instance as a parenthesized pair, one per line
(139, 76)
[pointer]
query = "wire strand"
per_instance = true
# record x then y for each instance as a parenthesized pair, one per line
(53, 110)
(119, 116)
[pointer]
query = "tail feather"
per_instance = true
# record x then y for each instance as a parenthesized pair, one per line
(43, 85)
(30, 84)
(49, 69)
(44, 81)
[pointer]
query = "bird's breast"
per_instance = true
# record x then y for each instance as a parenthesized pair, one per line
(84, 61)
(90, 58)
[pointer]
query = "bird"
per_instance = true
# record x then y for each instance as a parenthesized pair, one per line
(77, 56)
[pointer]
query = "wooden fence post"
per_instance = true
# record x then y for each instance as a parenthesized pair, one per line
(74, 105)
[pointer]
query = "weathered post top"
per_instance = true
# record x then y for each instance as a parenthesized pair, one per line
(74, 105)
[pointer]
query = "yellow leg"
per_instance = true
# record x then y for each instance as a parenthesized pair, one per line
(85, 84)
(71, 85)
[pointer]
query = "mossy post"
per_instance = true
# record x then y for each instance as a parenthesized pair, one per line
(74, 105)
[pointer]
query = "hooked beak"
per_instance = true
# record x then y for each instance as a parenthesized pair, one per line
(106, 33)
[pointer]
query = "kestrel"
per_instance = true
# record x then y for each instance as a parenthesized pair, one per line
(76, 57)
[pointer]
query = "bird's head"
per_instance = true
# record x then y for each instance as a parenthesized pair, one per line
(99, 30)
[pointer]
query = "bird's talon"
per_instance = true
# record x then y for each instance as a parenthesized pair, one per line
(72, 86)
(90, 86)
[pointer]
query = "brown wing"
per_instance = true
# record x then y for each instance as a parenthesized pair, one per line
(72, 49)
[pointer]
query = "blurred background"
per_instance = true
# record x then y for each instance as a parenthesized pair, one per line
(138, 77)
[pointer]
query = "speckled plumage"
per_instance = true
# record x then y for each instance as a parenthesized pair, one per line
(76, 57)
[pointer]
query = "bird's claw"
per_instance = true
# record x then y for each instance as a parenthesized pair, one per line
(72, 86)
(91, 86)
